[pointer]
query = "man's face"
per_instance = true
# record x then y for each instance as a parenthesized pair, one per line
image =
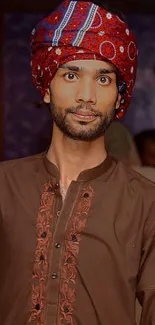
(83, 96)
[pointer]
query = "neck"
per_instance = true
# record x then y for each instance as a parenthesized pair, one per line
(72, 157)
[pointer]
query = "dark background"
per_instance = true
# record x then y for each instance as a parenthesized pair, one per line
(127, 6)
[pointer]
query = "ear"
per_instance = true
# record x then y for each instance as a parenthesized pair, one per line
(118, 103)
(47, 96)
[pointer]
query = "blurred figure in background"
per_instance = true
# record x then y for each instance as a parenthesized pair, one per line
(120, 144)
(145, 142)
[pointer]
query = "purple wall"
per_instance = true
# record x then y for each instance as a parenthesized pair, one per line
(25, 124)
(141, 113)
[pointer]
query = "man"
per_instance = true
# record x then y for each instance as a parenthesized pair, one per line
(77, 227)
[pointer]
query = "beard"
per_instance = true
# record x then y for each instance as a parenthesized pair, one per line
(83, 130)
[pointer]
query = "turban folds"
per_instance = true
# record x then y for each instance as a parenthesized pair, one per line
(79, 30)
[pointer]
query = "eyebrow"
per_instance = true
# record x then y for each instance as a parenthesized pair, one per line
(79, 69)
(71, 67)
(106, 71)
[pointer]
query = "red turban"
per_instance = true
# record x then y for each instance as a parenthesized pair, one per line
(79, 30)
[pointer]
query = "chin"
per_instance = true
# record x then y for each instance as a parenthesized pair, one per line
(82, 130)
(83, 134)
(83, 125)
(84, 137)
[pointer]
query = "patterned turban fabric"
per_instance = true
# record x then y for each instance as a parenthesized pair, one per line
(79, 30)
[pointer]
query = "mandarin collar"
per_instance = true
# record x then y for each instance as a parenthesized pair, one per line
(105, 169)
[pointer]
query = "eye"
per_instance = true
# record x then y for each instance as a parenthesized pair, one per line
(103, 80)
(70, 76)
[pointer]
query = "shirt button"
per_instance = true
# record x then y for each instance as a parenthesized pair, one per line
(50, 189)
(57, 245)
(86, 195)
(66, 309)
(37, 307)
(44, 234)
(54, 276)
(74, 239)
(42, 257)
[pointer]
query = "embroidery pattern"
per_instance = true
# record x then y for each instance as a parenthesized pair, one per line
(76, 225)
(41, 263)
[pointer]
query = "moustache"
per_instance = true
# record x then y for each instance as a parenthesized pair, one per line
(76, 110)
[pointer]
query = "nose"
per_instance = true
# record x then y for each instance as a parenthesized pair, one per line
(86, 92)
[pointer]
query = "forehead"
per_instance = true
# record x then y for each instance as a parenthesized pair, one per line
(90, 65)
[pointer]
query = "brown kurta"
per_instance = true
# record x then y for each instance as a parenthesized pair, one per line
(80, 264)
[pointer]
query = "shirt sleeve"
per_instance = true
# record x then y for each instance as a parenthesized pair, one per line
(146, 276)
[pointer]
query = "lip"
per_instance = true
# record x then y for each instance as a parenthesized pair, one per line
(85, 116)
(85, 113)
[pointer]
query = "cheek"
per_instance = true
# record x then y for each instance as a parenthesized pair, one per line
(63, 95)
(107, 97)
